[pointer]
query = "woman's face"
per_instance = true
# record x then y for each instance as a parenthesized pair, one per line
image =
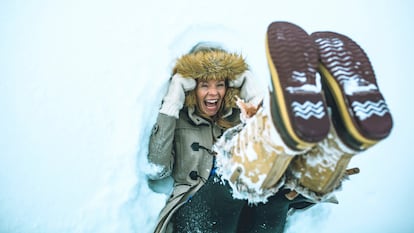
(210, 96)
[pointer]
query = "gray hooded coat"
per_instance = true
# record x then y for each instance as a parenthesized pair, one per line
(181, 147)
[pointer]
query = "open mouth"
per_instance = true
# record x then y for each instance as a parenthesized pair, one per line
(211, 103)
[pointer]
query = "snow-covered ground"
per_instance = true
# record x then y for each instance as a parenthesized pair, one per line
(80, 84)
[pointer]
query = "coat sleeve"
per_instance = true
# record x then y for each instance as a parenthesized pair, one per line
(160, 152)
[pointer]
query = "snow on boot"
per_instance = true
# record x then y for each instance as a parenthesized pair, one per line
(360, 118)
(359, 112)
(253, 158)
(298, 108)
(317, 173)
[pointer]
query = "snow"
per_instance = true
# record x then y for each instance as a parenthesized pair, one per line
(230, 162)
(80, 84)
(301, 77)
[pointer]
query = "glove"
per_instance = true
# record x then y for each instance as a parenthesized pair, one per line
(173, 101)
(248, 90)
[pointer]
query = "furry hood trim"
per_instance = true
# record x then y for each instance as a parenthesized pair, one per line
(206, 65)
(211, 65)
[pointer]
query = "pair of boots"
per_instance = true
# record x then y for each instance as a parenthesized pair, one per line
(324, 106)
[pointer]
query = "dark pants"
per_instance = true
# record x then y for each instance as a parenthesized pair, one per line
(213, 210)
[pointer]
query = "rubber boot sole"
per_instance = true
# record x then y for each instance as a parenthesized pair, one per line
(298, 107)
(359, 112)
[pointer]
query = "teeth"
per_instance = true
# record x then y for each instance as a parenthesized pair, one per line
(211, 101)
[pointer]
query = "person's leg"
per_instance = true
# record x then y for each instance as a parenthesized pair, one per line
(271, 216)
(359, 114)
(292, 119)
(211, 209)
(245, 220)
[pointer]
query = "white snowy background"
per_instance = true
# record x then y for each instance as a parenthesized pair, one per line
(80, 84)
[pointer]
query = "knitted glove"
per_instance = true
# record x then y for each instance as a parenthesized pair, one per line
(249, 92)
(173, 101)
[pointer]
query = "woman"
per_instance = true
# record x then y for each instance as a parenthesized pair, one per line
(198, 107)
(291, 154)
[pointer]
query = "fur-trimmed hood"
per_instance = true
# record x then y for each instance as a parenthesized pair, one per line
(215, 64)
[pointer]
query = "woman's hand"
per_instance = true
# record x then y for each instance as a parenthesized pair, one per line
(249, 92)
(173, 101)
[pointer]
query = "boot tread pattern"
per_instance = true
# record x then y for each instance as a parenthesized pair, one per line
(298, 108)
(360, 113)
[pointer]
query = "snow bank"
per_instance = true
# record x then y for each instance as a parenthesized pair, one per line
(80, 84)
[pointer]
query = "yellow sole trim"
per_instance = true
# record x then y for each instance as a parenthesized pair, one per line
(277, 89)
(343, 109)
